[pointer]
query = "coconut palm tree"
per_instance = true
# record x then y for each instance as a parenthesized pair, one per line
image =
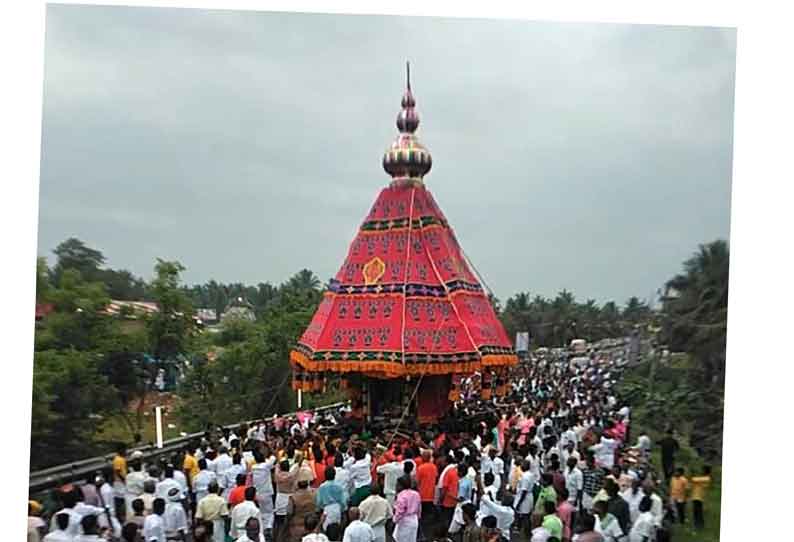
(304, 280)
(697, 302)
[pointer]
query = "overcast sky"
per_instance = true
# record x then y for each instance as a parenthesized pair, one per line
(247, 145)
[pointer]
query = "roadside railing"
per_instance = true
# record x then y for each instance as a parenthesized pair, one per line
(80, 471)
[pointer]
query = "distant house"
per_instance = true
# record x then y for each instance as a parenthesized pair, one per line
(239, 308)
(131, 309)
(207, 316)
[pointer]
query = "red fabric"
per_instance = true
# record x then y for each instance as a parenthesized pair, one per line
(453, 317)
(426, 475)
(432, 399)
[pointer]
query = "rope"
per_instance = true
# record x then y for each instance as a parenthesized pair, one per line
(278, 392)
(405, 410)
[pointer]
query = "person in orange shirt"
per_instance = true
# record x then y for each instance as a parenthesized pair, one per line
(426, 477)
(678, 488)
(237, 495)
(449, 494)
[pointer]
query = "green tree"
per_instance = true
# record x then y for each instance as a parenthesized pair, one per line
(636, 311)
(698, 309)
(77, 322)
(304, 280)
(69, 397)
(172, 327)
(74, 254)
(123, 285)
(250, 378)
(43, 282)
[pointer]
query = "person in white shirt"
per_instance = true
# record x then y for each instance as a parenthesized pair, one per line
(222, 463)
(534, 459)
(295, 428)
(105, 520)
(568, 436)
(568, 452)
(60, 533)
(643, 529)
(605, 452)
(262, 480)
(243, 512)
(633, 496)
(253, 531)
(174, 517)
(230, 476)
(105, 493)
(134, 483)
(167, 483)
(490, 490)
(540, 534)
(504, 513)
(342, 476)
(359, 468)
(375, 510)
(357, 530)
(69, 501)
(607, 525)
(498, 468)
(391, 472)
(181, 479)
(657, 506)
(574, 481)
(154, 525)
(202, 480)
(643, 444)
(524, 493)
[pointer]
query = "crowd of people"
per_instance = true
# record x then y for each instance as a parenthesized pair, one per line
(550, 461)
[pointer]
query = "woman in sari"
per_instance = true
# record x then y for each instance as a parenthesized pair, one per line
(407, 511)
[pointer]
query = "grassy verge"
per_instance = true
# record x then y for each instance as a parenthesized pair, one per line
(688, 459)
(115, 429)
(646, 417)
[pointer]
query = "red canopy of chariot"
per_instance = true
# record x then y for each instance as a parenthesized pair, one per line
(406, 300)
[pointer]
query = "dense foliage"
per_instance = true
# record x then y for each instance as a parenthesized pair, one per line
(92, 369)
(688, 391)
(555, 322)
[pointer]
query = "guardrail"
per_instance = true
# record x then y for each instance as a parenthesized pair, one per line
(82, 470)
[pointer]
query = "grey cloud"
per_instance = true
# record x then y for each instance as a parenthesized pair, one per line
(591, 157)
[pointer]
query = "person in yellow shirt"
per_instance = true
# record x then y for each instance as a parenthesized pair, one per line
(191, 469)
(678, 488)
(700, 485)
(119, 481)
(190, 465)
